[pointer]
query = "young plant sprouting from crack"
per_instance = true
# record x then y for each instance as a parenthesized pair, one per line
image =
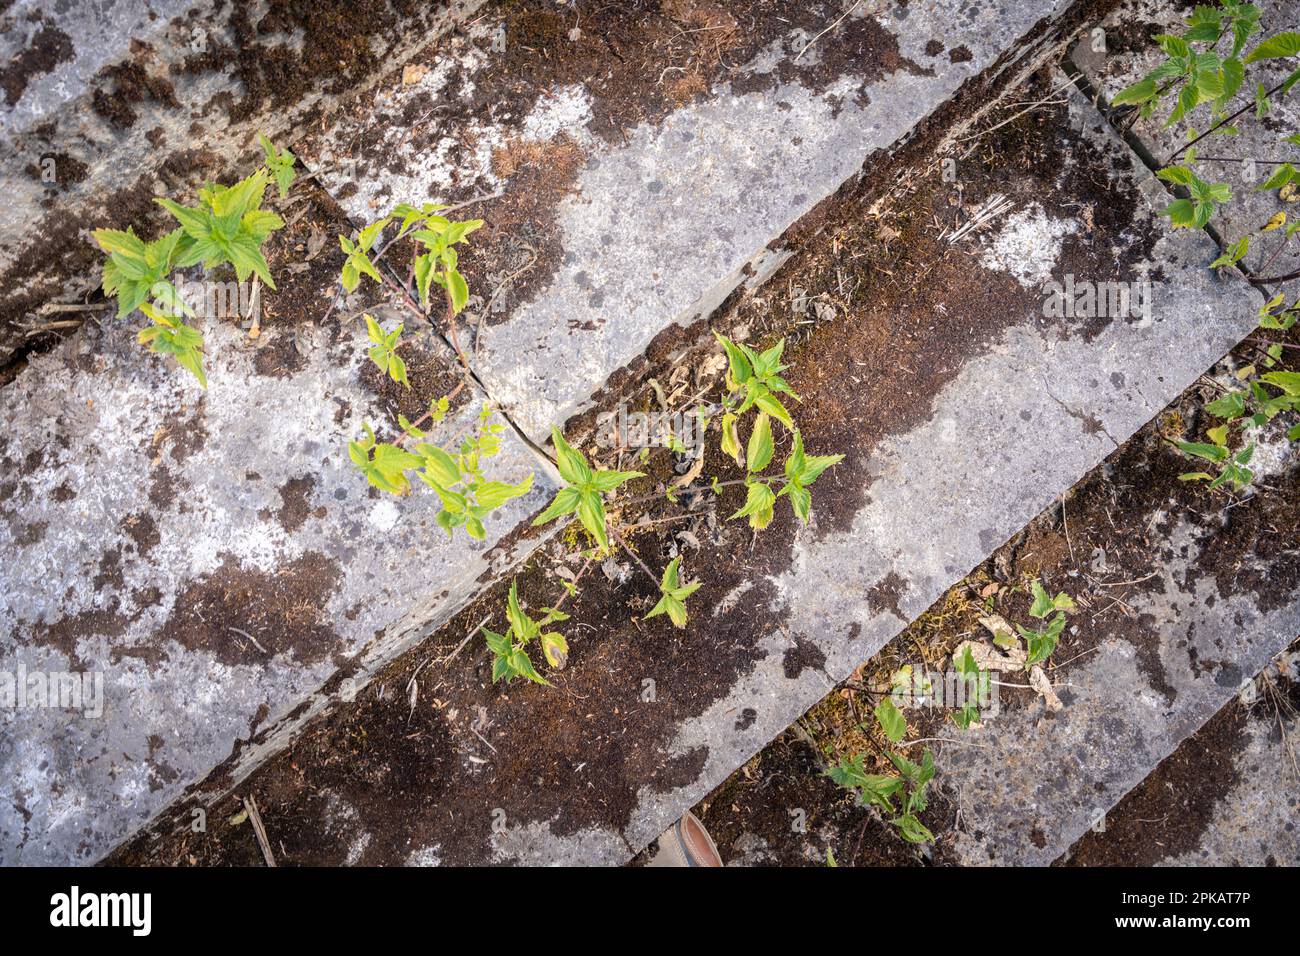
(437, 264)
(383, 350)
(280, 162)
(468, 496)
(1042, 641)
(227, 227)
(1204, 66)
(673, 595)
(583, 492)
(881, 791)
(510, 650)
(754, 381)
(976, 682)
(1263, 397)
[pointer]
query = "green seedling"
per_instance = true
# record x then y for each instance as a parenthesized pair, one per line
(227, 227)
(1041, 642)
(437, 263)
(280, 162)
(801, 470)
(976, 684)
(583, 492)
(510, 650)
(383, 351)
(902, 796)
(468, 496)
(674, 595)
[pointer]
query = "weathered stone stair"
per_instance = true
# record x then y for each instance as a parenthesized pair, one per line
(1022, 408)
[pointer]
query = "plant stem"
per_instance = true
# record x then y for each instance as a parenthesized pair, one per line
(429, 414)
(1265, 280)
(1224, 122)
(565, 596)
(633, 555)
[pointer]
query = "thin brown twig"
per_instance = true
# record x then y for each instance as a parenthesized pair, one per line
(259, 830)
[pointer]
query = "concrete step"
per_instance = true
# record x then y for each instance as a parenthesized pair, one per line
(965, 407)
(212, 556)
(641, 192)
(238, 489)
(104, 106)
(1189, 596)
(1228, 796)
(1181, 596)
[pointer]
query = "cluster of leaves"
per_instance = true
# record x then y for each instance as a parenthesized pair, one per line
(383, 350)
(1193, 76)
(437, 264)
(510, 650)
(227, 227)
(583, 492)
(673, 595)
(753, 382)
(468, 496)
(1261, 398)
(1041, 641)
(900, 796)
(1204, 67)
(280, 162)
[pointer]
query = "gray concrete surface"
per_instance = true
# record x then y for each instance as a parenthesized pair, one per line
(214, 556)
(1015, 428)
(1030, 787)
(1254, 823)
(660, 228)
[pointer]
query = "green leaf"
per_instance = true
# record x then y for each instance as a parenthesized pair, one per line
(965, 663)
(1289, 382)
(1283, 44)
(493, 494)
(1138, 93)
(1212, 453)
(572, 465)
(674, 608)
(912, 830)
(759, 504)
(759, 451)
(738, 365)
(565, 502)
(891, 720)
(1229, 407)
(800, 501)
(591, 512)
(1281, 176)
(769, 403)
(606, 481)
(1181, 213)
(458, 289)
